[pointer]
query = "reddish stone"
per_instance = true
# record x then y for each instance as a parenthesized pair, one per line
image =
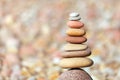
(75, 39)
(75, 24)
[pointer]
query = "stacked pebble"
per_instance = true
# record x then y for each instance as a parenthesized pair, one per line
(75, 51)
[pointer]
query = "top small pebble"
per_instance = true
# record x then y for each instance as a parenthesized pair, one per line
(74, 14)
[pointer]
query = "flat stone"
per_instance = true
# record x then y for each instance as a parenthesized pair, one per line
(75, 24)
(74, 47)
(75, 32)
(82, 53)
(74, 14)
(75, 18)
(75, 40)
(78, 62)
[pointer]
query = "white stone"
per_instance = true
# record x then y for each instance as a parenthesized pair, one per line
(74, 14)
(75, 18)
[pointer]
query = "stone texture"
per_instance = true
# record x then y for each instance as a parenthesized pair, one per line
(75, 74)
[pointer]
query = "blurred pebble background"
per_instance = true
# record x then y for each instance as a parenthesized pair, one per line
(32, 33)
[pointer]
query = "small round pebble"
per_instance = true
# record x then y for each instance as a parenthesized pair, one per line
(74, 14)
(75, 74)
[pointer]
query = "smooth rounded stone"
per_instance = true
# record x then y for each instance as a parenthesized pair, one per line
(74, 14)
(75, 40)
(78, 62)
(75, 74)
(32, 78)
(75, 24)
(75, 32)
(75, 18)
(82, 53)
(74, 47)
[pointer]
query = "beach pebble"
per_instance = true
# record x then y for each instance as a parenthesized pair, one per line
(75, 74)
(74, 14)
(75, 40)
(75, 62)
(74, 47)
(25, 72)
(75, 32)
(11, 59)
(75, 18)
(31, 78)
(75, 24)
(82, 53)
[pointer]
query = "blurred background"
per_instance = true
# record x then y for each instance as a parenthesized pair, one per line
(32, 33)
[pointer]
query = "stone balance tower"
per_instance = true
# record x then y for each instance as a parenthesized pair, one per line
(75, 51)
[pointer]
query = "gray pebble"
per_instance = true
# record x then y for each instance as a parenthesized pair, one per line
(74, 18)
(32, 78)
(74, 14)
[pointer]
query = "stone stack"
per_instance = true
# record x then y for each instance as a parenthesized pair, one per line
(75, 51)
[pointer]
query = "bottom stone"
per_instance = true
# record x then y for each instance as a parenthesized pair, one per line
(75, 74)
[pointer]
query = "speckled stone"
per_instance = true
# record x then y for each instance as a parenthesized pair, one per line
(75, 74)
